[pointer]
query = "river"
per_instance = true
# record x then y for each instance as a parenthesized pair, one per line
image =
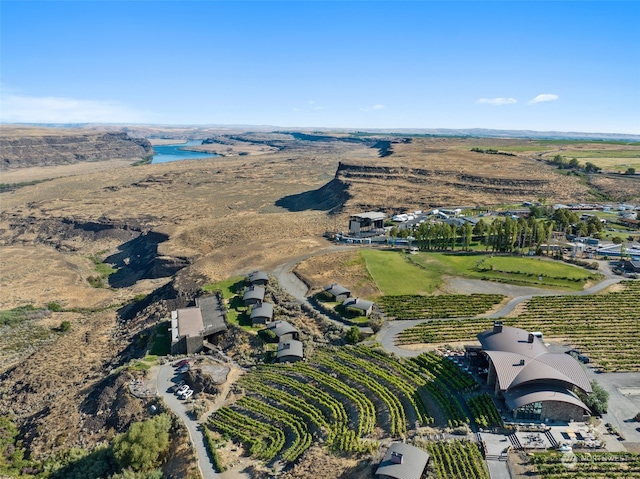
(167, 153)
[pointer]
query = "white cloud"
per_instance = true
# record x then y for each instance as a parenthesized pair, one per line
(544, 97)
(30, 109)
(373, 107)
(497, 101)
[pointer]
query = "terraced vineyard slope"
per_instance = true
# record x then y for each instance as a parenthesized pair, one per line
(596, 325)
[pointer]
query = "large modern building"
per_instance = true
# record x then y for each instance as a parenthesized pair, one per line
(534, 383)
(192, 327)
(367, 224)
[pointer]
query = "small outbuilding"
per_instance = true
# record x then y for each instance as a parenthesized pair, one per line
(632, 266)
(358, 305)
(402, 461)
(258, 278)
(283, 330)
(337, 292)
(253, 295)
(261, 314)
(289, 351)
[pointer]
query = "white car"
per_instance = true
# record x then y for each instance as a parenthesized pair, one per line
(187, 394)
(182, 389)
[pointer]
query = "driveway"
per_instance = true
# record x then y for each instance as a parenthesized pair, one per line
(165, 376)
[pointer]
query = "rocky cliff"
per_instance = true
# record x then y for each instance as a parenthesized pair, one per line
(17, 151)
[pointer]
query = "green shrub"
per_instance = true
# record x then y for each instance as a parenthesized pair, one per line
(65, 326)
(143, 445)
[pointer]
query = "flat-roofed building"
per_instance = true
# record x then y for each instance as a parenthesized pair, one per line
(534, 383)
(192, 327)
(367, 224)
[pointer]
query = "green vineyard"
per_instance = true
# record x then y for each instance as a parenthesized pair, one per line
(442, 306)
(456, 460)
(595, 324)
(340, 396)
(592, 465)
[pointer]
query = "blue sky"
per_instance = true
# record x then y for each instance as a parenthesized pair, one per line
(565, 66)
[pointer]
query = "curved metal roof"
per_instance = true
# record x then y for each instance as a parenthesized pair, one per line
(336, 289)
(258, 276)
(254, 292)
(263, 310)
(518, 361)
(280, 328)
(523, 395)
(291, 347)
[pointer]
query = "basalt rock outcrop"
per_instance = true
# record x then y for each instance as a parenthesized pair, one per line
(26, 151)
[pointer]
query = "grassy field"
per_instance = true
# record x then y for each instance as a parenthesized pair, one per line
(394, 275)
(162, 340)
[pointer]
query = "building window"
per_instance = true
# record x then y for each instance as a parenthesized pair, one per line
(530, 411)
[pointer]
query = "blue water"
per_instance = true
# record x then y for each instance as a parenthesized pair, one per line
(167, 153)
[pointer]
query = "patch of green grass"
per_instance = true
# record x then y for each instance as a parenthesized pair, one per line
(12, 317)
(161, 340)
(510, 269)
(229, 287)
(394, 275)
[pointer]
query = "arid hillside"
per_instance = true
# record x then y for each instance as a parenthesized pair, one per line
(24, 147)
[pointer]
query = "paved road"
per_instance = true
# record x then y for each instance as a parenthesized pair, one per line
(165, 376)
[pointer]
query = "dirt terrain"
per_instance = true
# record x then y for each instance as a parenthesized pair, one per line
(170, 228)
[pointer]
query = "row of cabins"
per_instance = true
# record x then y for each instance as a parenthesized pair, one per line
(340, 294)
(289, 345)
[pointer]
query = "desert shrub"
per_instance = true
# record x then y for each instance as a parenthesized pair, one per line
(65, 326)
(353, 335)
(143, 445)
(54, 307)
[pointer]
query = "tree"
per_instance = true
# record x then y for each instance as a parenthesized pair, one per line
(630, 171)
(616, 240)
(574, 163)
(143, 445)
(597, 401)
(353, 335)
(591, 168)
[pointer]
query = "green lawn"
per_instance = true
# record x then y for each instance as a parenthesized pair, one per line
(394, 275)
(236, 311)
(510, 269)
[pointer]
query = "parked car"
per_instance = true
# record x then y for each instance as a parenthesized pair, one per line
(187, 394)
(183, 369)
(181, 363)
(175, 387)
(182, 389)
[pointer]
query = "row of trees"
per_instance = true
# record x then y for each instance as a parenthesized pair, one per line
(573, 164)
(502, 234)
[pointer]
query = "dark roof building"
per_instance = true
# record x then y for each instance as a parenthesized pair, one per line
(213, 316)
(261, 313)
(535, 383)
(337, 292)
(191, 327)
(283, 330)
(253, 295)
(365, 307)
(289, 351)
(402, 461)
(259, 278)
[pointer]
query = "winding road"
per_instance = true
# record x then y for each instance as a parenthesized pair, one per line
(386, 336)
